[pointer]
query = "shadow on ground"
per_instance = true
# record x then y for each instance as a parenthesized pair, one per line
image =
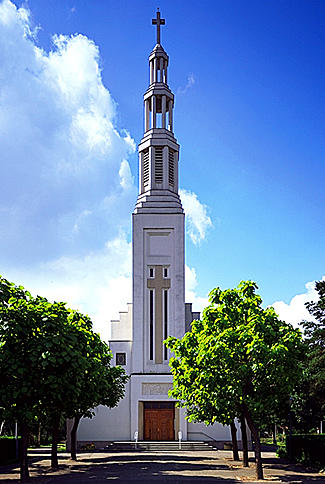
(132, 468)
(215, 467)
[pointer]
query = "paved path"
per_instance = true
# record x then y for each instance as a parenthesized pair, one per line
(176, 467)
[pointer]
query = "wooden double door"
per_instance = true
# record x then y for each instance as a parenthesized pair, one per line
(159, 421)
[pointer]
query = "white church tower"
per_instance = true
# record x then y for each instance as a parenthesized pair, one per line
(158, 309)
(158, 257)
(158, 227)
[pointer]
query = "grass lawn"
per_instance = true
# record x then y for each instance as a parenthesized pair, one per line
(61, 447)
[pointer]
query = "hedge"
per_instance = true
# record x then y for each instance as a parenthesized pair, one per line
(8, 449)
(307, 449)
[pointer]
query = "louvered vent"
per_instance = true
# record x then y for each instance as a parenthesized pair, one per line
(171, 167)
(158, 164)
(145, 165)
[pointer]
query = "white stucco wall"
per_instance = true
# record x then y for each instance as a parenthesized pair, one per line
(110, 423)
(106, 425)
(121, 329)
(199, 431)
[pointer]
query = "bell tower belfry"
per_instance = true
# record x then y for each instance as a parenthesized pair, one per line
(158, 226)
(158, 149)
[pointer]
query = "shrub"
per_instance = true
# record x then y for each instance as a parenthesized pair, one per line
(307, 449)
(8, 449)
(281, 450)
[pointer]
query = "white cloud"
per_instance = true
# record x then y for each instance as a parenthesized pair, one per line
(67, 187)
(189, 84)
(198, 302)
(60, 148)
(126, 178)
(98, 284)
(295, 312)
(197, 218)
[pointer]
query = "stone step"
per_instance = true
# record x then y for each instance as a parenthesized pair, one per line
(160, 446)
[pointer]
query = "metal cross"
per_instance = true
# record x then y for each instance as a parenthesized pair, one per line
(158, 21)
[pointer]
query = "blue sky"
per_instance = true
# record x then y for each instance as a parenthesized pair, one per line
(249, 115)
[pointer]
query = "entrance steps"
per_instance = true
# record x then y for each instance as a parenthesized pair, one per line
(160, 446)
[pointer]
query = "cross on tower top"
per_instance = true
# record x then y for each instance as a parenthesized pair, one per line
(158, 21)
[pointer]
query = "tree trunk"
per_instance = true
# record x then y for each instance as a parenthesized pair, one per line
(23, 457)
(54, 448)
(74, 438)
(234, 441)
(274, 432)
(39, 435)
(257, 447)
(244, 440)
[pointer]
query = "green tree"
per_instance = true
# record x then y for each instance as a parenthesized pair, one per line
(49, 356)
(77, 372)
(20, 362)
(99, 384)
(239, 357)
(62, 363)
(312, 394)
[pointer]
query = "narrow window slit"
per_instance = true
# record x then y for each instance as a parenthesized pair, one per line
(151, 324)
(165, 321)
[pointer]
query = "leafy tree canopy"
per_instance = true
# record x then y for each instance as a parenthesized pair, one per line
(238, 353)
(52, 365)
(314, 332)
(315, 337)
(238, 358)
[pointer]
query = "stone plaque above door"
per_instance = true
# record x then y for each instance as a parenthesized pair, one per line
(156, 388)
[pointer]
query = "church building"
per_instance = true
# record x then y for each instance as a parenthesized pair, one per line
(158, 307)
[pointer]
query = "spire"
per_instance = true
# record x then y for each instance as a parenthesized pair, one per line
(159, 100)
(158, 149)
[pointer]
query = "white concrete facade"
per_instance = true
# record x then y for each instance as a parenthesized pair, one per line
(158, 308)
